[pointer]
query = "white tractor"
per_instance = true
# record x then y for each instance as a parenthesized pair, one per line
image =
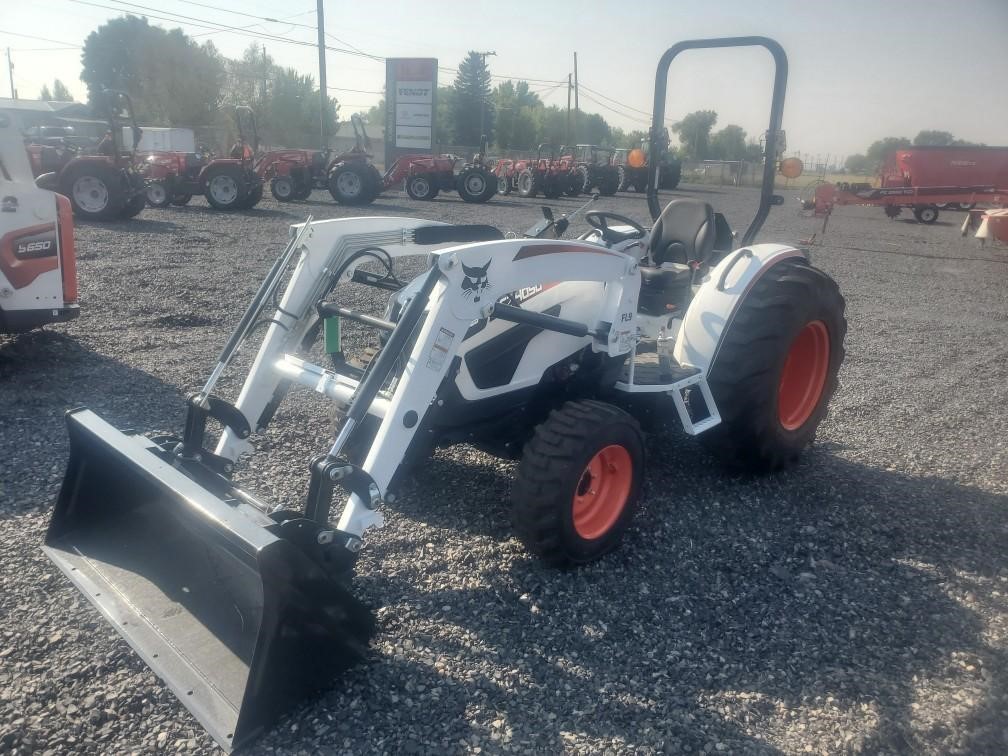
(38, 273)
(541, 349)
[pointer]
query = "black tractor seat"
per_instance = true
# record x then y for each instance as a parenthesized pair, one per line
(684, 233)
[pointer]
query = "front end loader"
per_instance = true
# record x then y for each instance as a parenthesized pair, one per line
(537, 348)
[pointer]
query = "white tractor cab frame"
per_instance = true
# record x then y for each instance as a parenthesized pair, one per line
(541, 349)
(38, 273)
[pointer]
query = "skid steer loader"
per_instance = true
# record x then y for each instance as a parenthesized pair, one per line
(537, 348)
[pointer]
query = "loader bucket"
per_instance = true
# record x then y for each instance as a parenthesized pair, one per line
(240, 622)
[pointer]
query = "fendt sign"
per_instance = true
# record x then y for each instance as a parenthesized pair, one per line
(410, 90)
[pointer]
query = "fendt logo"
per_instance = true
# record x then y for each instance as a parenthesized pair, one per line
(413, 92)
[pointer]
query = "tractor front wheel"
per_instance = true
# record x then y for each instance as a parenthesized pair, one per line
(927, 214)
(158, 194)
(578, 483)
(282, 188)
(421, 187)
(503, 185)
(180, 200)
(776, 368)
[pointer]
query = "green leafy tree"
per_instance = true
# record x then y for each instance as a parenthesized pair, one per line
(879, 151)
(694, 133)
(514, 105)
(729, 143)
(471, 99)
(933, 138)
(859, 164)
(171, 79)
(45, 94)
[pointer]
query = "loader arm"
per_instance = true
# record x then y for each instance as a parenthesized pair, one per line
(466, 283)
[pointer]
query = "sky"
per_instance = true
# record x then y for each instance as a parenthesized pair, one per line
(860, 70)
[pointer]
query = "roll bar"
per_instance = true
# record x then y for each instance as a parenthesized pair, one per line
(767, 198)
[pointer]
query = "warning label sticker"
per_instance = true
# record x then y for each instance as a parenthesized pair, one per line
(439, 352)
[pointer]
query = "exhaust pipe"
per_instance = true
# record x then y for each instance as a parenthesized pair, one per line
(241, 613)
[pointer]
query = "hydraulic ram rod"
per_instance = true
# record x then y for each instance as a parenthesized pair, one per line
(378, 371)
(241, 331)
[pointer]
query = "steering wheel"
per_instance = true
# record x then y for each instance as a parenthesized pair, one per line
(600, 221)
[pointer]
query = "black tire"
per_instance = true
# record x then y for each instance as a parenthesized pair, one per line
(926, 214)
(503, 185)
(351, 184)
(134, 205)
(476, 185)
(159, 194)
(556, 512)
(769, 414)
(224, 187)
(254, 196)
(527, 184)
(608, 183)
(303, 191)
(421, 187)
(283, 189)
(893, 211)
(573, 184)
(669, 176)
(587, 180)
(553, 187)
(95, 190)
(624, 179)
(180, 200)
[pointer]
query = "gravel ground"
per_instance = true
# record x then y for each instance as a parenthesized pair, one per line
(856, 603)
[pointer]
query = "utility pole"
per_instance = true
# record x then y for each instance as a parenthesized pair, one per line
(483, 57)
(10, 71)
(323, 90)
(569, 87)
(577, 109)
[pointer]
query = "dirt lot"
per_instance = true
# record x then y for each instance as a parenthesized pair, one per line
(854, 603)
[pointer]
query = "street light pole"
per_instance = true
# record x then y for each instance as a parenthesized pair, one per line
(323, 89)
(483, 57)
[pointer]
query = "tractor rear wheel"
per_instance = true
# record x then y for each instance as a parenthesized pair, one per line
(158, 194)
(95, 190)
(586, 178)
(350, 184)
(253, 197)
(578, 483)
(608, 183)
(224, 187)
(503, 185)
(573, 184)
(624, 179)
(527, 184)
(776, 367)
(282, 188)
(421, 187)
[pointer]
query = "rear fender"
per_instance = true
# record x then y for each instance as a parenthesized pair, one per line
(718, 299)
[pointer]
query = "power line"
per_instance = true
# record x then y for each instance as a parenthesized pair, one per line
(42, 39)
(359, 91)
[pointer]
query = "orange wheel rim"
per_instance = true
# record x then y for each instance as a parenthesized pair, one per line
(602, 492)
(804, 375)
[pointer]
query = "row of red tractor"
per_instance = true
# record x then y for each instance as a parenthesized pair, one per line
(118, 182)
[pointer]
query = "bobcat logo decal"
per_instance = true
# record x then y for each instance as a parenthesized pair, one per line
(475, 281)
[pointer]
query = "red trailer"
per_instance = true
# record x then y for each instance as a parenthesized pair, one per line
(926, 179)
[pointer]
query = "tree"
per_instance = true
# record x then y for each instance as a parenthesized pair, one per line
(859, 164)
(60, 92)
(931, 137)
(514, 106)
(171, 79)
(472, 100)
(729, 143)
(45, 94)
(694, 133)
(880, 150)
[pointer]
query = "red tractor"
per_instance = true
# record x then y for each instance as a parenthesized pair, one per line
(353, 179)
(230, 183)
(504, 170)
(544, 173)
(102, 186)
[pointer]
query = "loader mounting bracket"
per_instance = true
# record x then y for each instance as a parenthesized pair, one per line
(333, 550)
(326, 474)
(198, 410)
